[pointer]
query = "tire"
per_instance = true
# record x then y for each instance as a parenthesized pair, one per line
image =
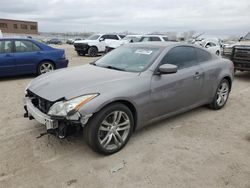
(102, 130)
(44, 67)
(80, 54)
(221, 96)
(92, 51)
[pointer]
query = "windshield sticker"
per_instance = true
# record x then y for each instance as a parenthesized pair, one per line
(145, 52)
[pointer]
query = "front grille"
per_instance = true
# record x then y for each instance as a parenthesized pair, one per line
(42, 104)
(80, 45)
(241, 53)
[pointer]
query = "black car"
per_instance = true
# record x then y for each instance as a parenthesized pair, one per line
(54, 41)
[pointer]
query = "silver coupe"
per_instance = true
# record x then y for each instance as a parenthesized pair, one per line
(130, 87)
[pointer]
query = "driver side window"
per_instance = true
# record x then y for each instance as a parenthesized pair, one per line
(181, 56)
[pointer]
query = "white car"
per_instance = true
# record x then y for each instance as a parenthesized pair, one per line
(212, 45)
(147, 38)
(112, 44)
(94, 44)
(135, 38)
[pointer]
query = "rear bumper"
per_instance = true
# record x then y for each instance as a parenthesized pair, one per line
(62, 63)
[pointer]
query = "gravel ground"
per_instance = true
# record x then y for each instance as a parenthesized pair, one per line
(201, 148)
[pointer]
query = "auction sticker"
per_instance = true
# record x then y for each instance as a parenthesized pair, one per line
(142, 51)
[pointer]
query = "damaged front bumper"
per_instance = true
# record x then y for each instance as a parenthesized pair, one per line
(53, 123)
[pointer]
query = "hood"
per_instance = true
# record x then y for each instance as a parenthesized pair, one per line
(241, 43)
(73, 82)
(85, 41)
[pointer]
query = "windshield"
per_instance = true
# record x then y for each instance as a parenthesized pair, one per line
(247, 37)
(131, 59)
(93, 37)
(132, 38)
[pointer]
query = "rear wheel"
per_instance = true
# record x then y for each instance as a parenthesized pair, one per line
(80, 53)
(221, 95)
(110, 129)
(92, 51)
(45, 66)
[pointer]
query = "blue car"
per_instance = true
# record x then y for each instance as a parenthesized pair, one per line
(26, 56)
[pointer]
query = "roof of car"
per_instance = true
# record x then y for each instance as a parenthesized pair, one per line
(158, 44)
(154, 35)
(162, 44)
(15, 38)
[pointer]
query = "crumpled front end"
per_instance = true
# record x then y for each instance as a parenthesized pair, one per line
(38, 108)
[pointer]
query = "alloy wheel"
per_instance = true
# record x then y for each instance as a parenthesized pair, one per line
(114, 130)
(222, 94)
(46, 67)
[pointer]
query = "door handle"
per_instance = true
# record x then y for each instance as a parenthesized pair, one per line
(197, 75)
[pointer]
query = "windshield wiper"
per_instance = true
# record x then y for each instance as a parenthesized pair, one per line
(114, 68)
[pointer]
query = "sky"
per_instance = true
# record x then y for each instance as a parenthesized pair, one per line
(215, 17)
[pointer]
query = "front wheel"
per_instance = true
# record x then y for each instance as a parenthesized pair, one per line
(81, 54)
(221, 95)
(45, 67)
(109, 130)
(92, 51)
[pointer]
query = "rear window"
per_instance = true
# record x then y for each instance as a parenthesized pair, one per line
(26, 46)
(203, 55)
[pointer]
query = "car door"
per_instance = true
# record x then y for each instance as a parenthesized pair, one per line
(27, 56)
(7, 62)
(210, 73)
(171, 93)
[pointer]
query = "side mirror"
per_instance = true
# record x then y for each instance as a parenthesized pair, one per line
(168, 69)
(240, 39)
(101, 39)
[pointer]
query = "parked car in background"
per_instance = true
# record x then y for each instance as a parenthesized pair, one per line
(1, 34)
(130, 87)
(239, 53)
(26, 56)
(94, 44)
(135, 38)
(151, 38)
(54, 41)
(212, 45)
(112, 44)
(71, 41)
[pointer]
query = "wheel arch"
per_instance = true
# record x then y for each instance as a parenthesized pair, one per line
(45, 60)
(93, 46)
(128, 104)
(229, 81)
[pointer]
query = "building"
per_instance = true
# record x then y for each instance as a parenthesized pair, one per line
(18, 26)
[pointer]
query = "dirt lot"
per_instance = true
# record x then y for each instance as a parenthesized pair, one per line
(201, 148)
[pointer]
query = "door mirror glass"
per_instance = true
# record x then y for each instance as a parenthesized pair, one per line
(168, 69)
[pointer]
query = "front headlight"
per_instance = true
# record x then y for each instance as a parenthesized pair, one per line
(67, 108)
(228, 50)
